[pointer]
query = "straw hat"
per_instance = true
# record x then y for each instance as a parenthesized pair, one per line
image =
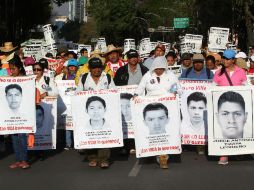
(8, 47)
(112, 48)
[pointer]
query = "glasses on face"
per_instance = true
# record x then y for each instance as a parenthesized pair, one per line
(37, 69)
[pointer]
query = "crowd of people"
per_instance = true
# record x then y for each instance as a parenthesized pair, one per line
(154, 76)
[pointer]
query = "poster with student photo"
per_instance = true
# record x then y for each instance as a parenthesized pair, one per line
(66, 89)
(126, 97)
(156, 125)
(97, 119)
(17, 103)
(46, 118)
(194, 111)
(230, 123)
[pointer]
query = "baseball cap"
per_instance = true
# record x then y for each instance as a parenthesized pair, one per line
(95, 62)
(132, 53)
(72, 62)
(241, 55)
(198, 58)
(229, 54)
(252, 58)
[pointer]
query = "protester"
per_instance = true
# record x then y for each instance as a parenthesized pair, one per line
(85, 69)
(113, 56)
(185, 61)
(210, 63)
(241, 63)
(158, 51)
(251, 69)
(171, 58)
(229, 75)
(96, 79)
(3, 72)
(19, 141)
(130, 74)
(158, 81)
(84, 57)
(198, 71)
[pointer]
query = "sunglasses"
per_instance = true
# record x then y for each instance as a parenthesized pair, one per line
(36, 69)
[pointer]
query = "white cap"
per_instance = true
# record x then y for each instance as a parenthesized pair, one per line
(252, 58)
(241, 55)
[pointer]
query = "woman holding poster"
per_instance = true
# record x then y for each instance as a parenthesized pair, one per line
(19, 141)
(158, 81)
(229, 75)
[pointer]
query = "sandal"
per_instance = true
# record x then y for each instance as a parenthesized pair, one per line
(104, 165)
(24, 165)
(92, 163)
(15, 165)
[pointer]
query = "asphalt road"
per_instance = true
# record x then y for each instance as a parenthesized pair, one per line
(67, 170)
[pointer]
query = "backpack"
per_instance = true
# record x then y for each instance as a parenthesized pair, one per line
(207, 72)
(84, 76)
(46, 79)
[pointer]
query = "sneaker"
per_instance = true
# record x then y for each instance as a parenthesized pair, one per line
(163, 160)
(67, 148)
(24, 165)
(15, 165)
(223, 160)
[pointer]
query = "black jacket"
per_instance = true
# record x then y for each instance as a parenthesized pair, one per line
(122, 76)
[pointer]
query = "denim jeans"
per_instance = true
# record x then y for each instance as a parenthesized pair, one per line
(19, 143)
(68, 138)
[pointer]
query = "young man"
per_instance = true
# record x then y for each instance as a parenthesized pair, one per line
(231, 115)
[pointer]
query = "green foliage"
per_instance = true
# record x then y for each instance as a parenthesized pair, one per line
(70, 31)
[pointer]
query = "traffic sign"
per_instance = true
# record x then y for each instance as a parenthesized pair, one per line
(181, 22)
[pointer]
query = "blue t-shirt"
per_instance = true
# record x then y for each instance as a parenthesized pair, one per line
(193, 75)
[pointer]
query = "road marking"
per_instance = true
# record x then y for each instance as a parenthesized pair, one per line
(135, 170)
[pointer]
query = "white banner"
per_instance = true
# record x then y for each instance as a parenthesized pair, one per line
(177, 70)
(33, 50)
(101, 45)
(129, 44)
(97, 119)
(194, 111)
(145, 47)
(156, 125)
(66, 89)
(17, 103)
(126, 96)
(230, 121)
(218, 39)
(45, 136)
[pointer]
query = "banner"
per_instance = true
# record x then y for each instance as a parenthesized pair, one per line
(218, 39)
(129, 44)
(145, 47)
(126, 96)
(101, 45)
(230, 121)
(194, 111)
(45, 136)
(177, 70)
(17, 103)
(97, 119)
(88, 47)
(156, 125)
(66, 88)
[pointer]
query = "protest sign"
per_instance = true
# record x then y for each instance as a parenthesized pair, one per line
(126, 95)
(101, 45)
(145, 47)
(17, 103)
(249, 79)
(49, 37)
(218, 39)
(194, 111)
(66, 89)
(33, 50)
(88, 47)
(191, 43)
(230, 120)
(129, 44)
(156, 125)
(45, 136)
(29, 70)
(97, 119)
(177, 70)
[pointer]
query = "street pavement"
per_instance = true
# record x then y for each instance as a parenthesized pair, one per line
(67, 170)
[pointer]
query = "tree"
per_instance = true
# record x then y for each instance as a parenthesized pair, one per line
(70, 31)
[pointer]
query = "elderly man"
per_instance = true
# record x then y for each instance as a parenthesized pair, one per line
(198, 71)
(114, 59)
(131, 73)
(158, 51)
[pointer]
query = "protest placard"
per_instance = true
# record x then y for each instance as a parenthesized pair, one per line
(46, 118)
(191, 43)
(218, 39)
(17, 103)
(101, 45)
(230, 120)
(194, 111)
(126, 95)
(129, 44)
(66, 89)
(156, 125)
(97, 119)
(145, 47)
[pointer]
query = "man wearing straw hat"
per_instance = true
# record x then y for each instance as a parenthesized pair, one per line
(7, 53)
(113, 58)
